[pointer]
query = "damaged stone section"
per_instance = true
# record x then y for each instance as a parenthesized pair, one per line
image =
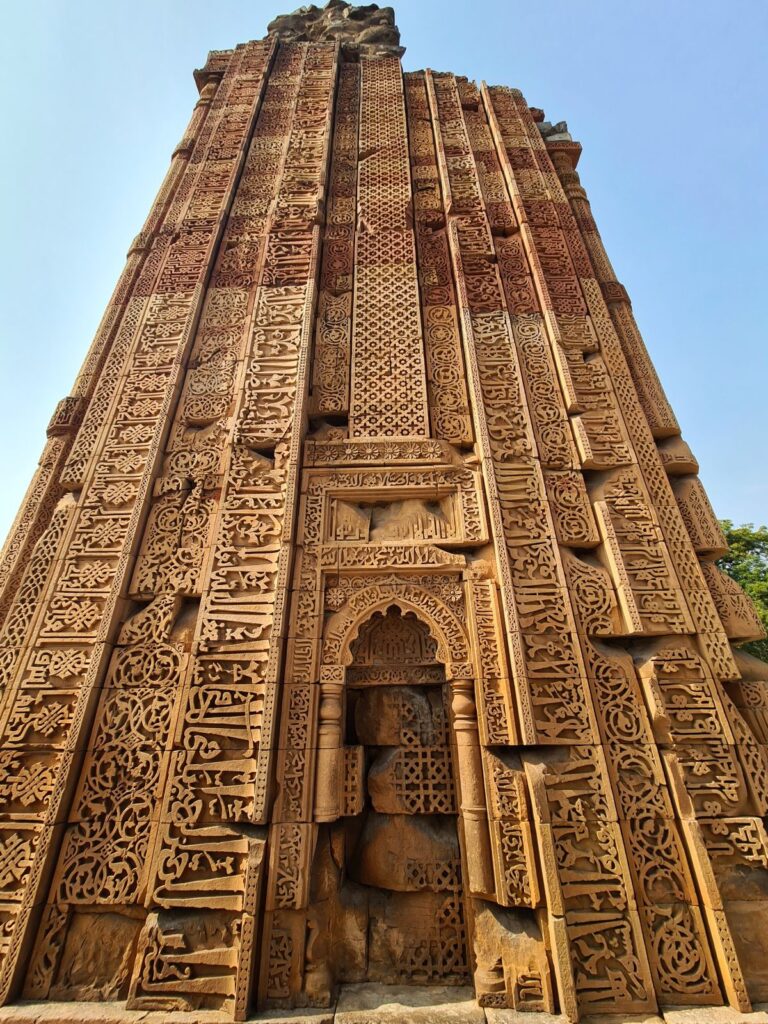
(555, 132)
(368, 27)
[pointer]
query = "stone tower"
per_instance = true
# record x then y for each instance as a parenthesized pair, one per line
(361, 622)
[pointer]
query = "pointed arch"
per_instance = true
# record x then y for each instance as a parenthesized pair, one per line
(453, 648)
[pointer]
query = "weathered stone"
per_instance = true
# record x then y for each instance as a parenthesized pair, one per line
(415, 938)
(97, 959)
(748, 921)
(370, 27)
(494, 1015)
(510, 959)
(350, 932)
(407, 853)
(306, 1016)
(361, 625)
(385, 716)
(407, 1004)
(713, 1015)
(613, 1018)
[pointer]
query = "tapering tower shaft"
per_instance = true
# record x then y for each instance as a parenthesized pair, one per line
(361, 624)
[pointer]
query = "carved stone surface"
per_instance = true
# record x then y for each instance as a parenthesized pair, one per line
(369, 27)
(361, 625)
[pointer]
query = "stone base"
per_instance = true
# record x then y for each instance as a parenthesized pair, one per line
(371, 1004)
(98, 1013)
(407, 1004)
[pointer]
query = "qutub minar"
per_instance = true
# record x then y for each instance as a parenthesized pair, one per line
(361, 624)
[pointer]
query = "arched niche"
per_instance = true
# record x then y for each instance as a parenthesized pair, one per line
(453, 648)
(393, 902)
(453, 653)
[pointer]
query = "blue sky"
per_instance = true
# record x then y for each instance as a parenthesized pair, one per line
(667, 98)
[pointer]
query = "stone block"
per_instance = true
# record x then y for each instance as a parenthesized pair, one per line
(407, 1004)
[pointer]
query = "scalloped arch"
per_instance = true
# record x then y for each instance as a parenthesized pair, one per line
(344, 627)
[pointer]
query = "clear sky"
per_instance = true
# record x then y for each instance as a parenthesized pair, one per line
(668, 98)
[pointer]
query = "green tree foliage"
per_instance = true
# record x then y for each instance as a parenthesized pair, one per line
(747, 563)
